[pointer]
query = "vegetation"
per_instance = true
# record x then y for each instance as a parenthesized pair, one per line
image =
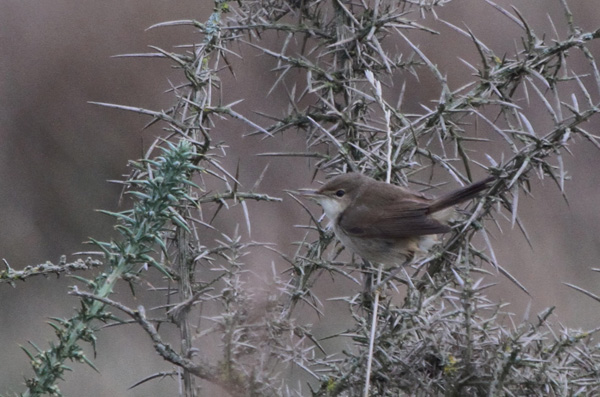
(340, 63)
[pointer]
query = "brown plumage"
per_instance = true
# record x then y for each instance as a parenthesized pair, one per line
(383, 222)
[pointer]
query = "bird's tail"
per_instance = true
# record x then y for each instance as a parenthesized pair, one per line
(460, 195)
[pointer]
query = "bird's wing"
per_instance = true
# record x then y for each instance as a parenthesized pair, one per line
(392, 222)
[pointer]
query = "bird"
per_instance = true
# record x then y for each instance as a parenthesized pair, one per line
(384, 223)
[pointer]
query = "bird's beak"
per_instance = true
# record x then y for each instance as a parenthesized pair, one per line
(309, 193)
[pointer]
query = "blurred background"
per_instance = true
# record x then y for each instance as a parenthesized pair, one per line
(57, 153)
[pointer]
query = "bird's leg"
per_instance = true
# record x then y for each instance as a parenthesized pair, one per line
(368, 288)
(393, 273)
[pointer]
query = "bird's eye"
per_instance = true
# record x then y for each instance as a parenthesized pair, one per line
(340, 193)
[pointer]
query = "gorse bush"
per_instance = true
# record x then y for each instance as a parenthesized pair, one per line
(429, 330)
